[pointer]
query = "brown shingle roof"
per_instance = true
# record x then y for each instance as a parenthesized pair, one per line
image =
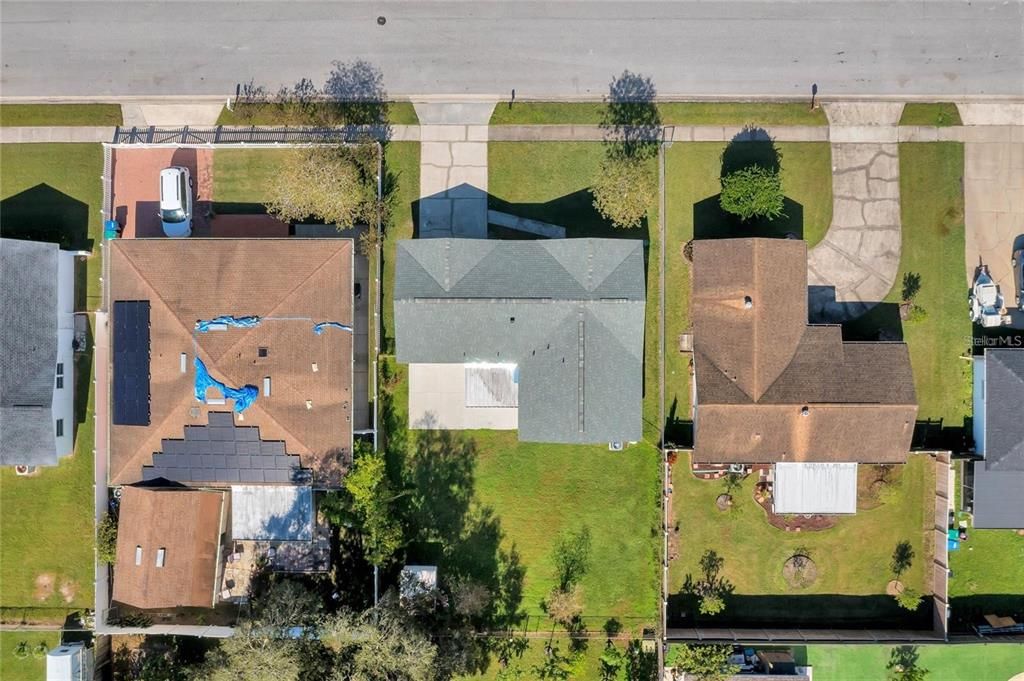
(186, 524)
(300, 281)
(758, 363)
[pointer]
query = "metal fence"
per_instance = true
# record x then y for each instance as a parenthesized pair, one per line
(250, 135)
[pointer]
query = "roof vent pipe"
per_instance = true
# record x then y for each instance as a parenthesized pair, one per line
(748, 302)
(804, 411)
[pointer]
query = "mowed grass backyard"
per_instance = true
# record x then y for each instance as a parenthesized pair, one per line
(550, 181)
(973, 662)
(692, 172)
(988, 570)
(495, 505)
(932, 213)
(851, 558)
(51, 192)
(671, 113)
(31, 667)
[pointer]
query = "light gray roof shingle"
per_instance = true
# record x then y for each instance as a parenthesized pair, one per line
(531, 303)
(28, 352)
(1004, 397)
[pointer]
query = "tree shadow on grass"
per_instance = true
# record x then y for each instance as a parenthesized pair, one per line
(442, 508)
(575, 212)
(832, 611)
(631, 120)
(752, 147)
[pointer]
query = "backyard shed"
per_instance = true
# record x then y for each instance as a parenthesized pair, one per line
(271, 513)
(803, 488)
(69, 662)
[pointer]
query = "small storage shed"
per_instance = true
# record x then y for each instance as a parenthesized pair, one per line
(69, 662)
(810, 488)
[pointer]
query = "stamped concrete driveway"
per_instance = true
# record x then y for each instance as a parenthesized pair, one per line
(855, 265)
(994, 204)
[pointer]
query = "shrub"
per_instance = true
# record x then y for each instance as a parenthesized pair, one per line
(753, 192)
(909, 599)
(106, 539)
(623, 191)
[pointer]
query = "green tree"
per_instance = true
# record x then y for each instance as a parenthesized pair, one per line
(370, 502)
(378, 645)
(909, 599)
(572, 557)
(710, 589)
(711, 604)
(287, 603)
(331, 183)
(106, 539)
(753, 192)
(623, 191)
(902, 665)
(705, 662)
(252, 656)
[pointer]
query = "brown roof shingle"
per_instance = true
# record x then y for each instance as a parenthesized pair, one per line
(186, 524)
(757, 364)
(291, 283)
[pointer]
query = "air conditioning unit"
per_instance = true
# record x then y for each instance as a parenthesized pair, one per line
(615, 446)
(737, 468)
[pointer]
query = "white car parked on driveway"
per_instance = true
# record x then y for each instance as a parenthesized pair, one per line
(176, 202)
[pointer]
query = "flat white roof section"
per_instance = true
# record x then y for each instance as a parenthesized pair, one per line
(492, 385)
(438, 401)
(804, 488)
(272, 512)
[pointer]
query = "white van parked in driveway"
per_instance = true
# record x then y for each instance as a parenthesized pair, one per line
(176, 202)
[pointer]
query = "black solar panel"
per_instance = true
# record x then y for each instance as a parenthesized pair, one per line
(131, 362)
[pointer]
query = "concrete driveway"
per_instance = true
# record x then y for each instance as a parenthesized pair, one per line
(994, 204)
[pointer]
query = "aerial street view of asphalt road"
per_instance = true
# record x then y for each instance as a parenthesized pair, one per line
(512, 341)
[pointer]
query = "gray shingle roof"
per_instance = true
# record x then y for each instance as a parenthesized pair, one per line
(569, 313)
(1004, 395)
(999, 479)
(28, 352)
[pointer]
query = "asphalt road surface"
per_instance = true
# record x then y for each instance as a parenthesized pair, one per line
(751, 48)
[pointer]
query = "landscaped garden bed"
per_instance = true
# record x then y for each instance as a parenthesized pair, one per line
(802, 576)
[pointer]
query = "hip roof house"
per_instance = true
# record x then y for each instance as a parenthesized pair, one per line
(37, 382)
(220, 372)
(770, 387)
(543, 336)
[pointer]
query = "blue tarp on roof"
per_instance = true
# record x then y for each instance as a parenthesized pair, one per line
(319, 328)
(243, 396)
(204, 325)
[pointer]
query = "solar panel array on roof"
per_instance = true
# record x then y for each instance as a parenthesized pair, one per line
(131, 362)
(224, 452)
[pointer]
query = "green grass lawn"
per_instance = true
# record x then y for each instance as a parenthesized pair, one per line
(550, 181)
(973, 662)
(852, 557)
(692, 183)
(988, 576)
(499, 506)
(243, 178)
(540, 491)
(932, 214)
(59, 114)
(672, 113)
(402, 175)
(52, 192)
(581, 665)
(31, 668)
(46, 527)
(398, 113)
(931, 113)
